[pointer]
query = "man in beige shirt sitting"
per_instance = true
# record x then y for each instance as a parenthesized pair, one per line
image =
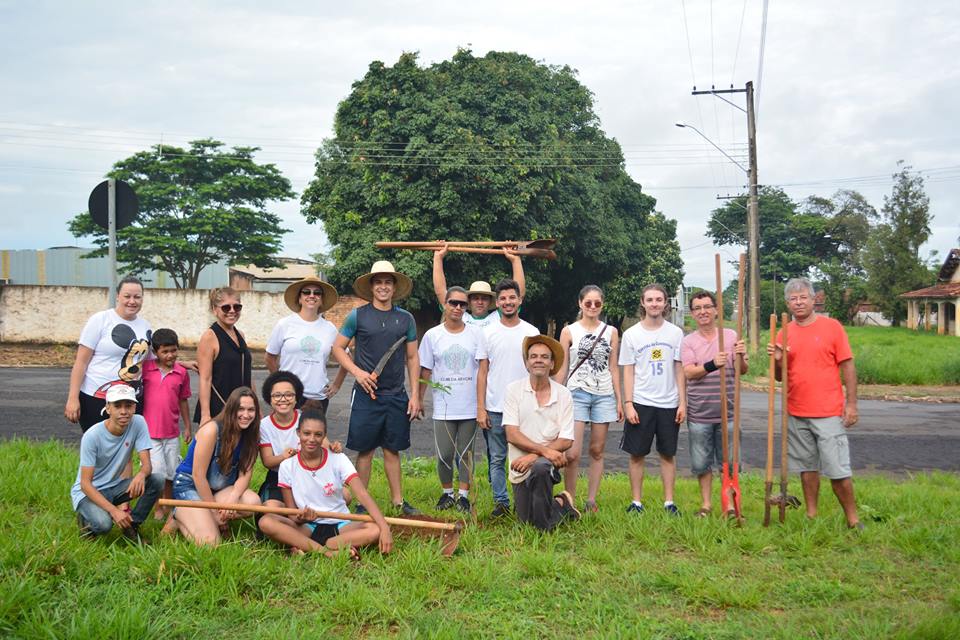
(538, 420)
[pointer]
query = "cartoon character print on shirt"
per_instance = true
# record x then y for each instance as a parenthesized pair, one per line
(131, 369)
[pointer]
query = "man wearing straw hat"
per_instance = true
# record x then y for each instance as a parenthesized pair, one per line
(538, 419)
(380, 408)
(482, 300)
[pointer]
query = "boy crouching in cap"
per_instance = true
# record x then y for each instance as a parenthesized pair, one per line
(104, 451)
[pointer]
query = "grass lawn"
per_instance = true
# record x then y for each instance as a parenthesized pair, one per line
(607, 576)
(889, 356)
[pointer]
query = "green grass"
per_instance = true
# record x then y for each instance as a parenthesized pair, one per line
(606, 576)
(890, 355)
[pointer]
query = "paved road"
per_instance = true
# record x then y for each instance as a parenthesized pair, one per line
(892, 437)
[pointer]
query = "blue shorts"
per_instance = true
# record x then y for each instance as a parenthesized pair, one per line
(184, 488)
(706, 446)
(378, 423)
(589, 407)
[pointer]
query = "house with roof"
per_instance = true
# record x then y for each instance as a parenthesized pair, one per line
(945, 294)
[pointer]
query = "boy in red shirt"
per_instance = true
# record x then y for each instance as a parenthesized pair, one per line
(166, 387)
(820, 414)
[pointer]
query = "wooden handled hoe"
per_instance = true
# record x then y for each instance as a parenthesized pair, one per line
(450, 531)
(735, 472)
(726, 483)
(768, 500)
(528, 248)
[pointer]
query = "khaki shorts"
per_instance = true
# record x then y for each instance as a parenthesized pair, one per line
(165, 456)
(819, 444)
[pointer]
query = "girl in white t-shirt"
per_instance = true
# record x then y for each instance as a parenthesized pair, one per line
(591, 373)
(313, 481)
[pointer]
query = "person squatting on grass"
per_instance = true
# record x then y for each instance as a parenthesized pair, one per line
(816, 351)
(448, 359)
(314, 480)
(104, 451)
(501, 359)
(380, 409)
(591, 373)
(218, 467)
(654, 395)
(538, 419)
(166, 389)
(703, 364)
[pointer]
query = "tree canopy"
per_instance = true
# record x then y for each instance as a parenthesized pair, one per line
(197, 207)
(496, 147)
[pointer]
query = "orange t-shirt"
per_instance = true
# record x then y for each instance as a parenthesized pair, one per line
(816, 352)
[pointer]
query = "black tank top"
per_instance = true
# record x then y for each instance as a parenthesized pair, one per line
(231, 369)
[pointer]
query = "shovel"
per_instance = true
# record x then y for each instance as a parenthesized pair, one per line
(726, 486)
(450, 530)
(738, 360)
(771, 399)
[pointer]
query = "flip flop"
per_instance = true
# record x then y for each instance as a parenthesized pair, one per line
(703, 513)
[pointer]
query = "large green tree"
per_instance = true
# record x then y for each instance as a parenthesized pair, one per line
(197, 206)
(495, 147)
(892, 254)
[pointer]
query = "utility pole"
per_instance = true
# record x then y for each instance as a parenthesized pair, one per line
(753, 210)
(753, 226)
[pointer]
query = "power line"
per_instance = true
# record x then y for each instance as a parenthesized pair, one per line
(763, 43)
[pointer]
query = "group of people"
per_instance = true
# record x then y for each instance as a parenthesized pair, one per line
(530, 395)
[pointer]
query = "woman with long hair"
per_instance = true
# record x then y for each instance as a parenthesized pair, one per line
(222, 355)
(218, 467)
(591, 373)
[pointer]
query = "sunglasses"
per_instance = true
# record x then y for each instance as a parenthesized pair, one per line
(460, 304)
(312, 292)
(593, 304)
(235, 307)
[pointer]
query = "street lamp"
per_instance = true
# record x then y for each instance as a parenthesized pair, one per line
(684, 125)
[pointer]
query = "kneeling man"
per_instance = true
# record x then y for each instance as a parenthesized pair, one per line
(538, 420)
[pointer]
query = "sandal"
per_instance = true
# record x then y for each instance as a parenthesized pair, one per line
(703, 513)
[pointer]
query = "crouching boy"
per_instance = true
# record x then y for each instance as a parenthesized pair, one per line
(312, 481)
(104, 451)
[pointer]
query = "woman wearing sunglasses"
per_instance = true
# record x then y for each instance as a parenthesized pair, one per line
(591, 373)
(300, 343)
(222, 356)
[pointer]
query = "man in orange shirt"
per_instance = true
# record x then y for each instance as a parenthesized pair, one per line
(820, 414)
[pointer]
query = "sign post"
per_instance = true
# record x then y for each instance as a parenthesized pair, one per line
(112, 237)
(113, 205)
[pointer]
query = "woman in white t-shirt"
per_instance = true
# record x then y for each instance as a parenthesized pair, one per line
(113, 344)
(591, 373)
(301, 342)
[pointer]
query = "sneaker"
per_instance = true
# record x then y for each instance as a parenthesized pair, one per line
(132, 533)
(359, 509)
(407, 509)
(635, 508)
(463, 504)
(500, 510)
(445, 502)
(84, 528)
(672, 510)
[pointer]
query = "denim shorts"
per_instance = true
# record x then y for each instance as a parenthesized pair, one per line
(706, 446)
(183, 487)
(589, 407)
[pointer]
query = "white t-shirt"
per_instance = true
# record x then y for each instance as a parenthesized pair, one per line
(503, 347)
(277, 437)
(119, 346)
(451, 358)
(304, 348)
(654, 355)
(484, 322)
(319, 488)
(541, 425)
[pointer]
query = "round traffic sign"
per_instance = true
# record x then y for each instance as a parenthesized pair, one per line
(127, 204)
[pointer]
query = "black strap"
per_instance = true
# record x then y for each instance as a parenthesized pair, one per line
(592, 347)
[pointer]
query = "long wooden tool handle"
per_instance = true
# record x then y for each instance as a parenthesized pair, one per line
(771, 398)
(450, 243)
(723, 370)
(530, 252)
(784, 319)
(737, 361)
(286, 511)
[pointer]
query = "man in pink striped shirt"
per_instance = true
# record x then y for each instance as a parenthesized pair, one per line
(703, 364)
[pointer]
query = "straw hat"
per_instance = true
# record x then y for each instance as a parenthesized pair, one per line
(292, 295)
(362, 286)
(554, 346)
(481, 287)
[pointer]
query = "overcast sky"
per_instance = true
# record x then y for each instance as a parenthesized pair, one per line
(846, 90)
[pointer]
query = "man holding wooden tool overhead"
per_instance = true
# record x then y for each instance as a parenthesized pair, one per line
(817, 348)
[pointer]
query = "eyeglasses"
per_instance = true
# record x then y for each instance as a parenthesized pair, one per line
(283, 396)
(235, 307)
(706, 307)
(460, 304)
(312, 292)
(593, 304)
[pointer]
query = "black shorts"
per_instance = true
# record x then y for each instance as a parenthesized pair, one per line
(324, 531)
(269, 489)
(91, 410)
(654, 421)
(378, 423)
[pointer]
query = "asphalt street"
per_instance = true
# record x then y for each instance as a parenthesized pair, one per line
(891, 437)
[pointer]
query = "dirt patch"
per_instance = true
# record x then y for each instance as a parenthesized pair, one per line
(62, 355)
(886, 392)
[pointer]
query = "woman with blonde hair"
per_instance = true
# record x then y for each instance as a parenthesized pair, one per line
(222, 356)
